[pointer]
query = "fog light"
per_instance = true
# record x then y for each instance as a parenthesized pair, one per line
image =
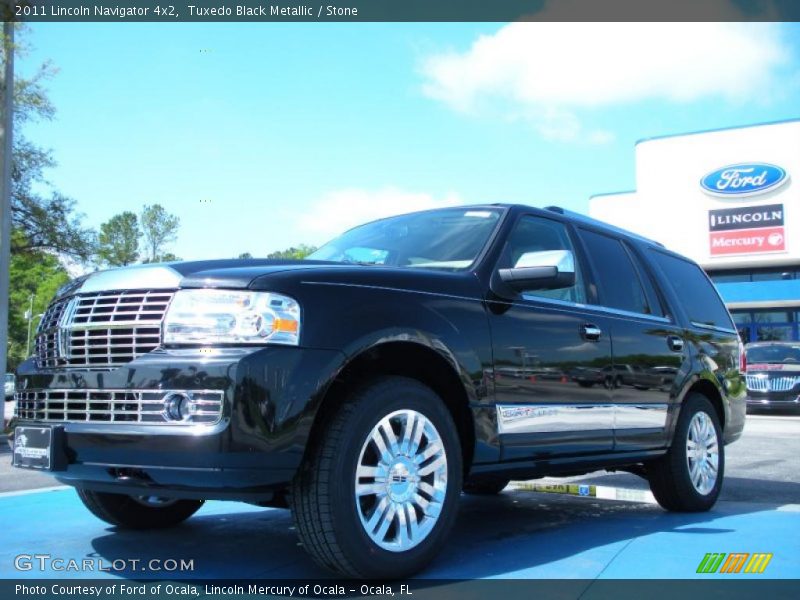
(179, 406)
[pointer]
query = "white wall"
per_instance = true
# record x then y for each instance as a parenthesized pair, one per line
(670, 206)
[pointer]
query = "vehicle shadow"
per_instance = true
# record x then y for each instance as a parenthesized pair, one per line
(493, 537)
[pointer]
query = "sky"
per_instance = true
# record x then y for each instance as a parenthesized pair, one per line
(264, 136)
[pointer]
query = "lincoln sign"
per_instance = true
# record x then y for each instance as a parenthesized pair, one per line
(746, 230)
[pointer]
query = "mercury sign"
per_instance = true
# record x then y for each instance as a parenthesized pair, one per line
(746, 230)
(744, 179)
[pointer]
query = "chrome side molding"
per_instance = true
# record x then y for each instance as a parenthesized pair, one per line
(553, 418)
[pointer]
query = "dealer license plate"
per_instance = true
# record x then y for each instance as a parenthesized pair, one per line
(33, 448)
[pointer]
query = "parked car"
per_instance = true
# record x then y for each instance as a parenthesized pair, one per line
(587, 376)
(9, 387)
(634, 376)
(362, 387)
(773, 375)
(666, 375)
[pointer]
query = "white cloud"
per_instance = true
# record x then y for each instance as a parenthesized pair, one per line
(339, 210)
(546, 73)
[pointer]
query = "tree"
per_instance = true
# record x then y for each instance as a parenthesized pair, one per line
(159, 228)
(245, 255)
(300, 252)
(118, 242)
(33, 273)
(44, 223)
(44, 218)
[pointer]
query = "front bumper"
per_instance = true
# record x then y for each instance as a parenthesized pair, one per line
(270, 397)
(773, 400)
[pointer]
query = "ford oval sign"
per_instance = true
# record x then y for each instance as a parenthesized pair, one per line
(745, 179)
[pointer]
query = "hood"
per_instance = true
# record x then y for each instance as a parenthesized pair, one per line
(233, 273)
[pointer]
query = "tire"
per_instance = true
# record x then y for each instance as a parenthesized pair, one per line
(485, 487)
(585, 384)
(670, 476)
(332, 521)
(131, 512)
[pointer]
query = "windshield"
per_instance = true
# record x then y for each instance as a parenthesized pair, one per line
(9, 377)
(441, 239)
(774, 354)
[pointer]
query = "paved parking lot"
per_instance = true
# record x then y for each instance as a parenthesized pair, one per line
(519, 534)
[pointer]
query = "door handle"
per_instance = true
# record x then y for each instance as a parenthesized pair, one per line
(675, 343)
(590, 332)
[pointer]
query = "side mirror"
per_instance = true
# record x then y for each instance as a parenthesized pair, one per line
(546, 270)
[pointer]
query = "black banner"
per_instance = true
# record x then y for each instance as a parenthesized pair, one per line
(421, 589)
(745, 217)
(405, 10)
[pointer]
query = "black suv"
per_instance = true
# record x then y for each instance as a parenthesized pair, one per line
(773, 376)
(405, 361)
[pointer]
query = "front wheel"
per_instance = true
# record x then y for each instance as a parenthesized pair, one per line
(689, 477)
(378, 493)
(138, 512)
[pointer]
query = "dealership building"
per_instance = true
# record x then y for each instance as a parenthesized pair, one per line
(727, 199)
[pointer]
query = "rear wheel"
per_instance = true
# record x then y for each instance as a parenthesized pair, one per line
(377, 496)
(138, 512)
(689, 477)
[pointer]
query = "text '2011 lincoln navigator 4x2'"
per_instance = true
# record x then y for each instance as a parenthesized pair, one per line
(406, 361)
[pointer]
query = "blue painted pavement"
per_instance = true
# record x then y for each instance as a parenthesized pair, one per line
(518, 534)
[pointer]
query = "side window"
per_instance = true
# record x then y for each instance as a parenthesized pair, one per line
(695, 291)
(536, 234)
(654, 300)
(617, 278)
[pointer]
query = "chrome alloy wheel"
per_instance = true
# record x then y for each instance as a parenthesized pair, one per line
(702, 453)
(401, 480)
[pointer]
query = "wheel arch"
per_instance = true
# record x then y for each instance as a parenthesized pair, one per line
(710, 391)
(704, 386)
(413, 359)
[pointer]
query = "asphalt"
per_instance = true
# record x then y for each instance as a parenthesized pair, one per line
(518, 534)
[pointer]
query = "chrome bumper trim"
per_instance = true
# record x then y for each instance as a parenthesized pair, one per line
(139, 412)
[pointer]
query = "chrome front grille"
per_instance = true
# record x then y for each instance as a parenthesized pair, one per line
(761, 383)
(101, 329)
(103, 347)
(136, 306)
(49, 336)
(52, 315)
(116, 406)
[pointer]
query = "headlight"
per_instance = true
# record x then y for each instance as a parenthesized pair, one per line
(231, 317)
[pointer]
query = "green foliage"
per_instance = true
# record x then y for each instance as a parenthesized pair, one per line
(43, 218)
(159, 228)
(299, 252)
(245, 255)
(36, 273)
(118, 242)
(166, 257)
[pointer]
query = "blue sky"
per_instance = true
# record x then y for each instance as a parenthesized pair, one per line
(263, 136)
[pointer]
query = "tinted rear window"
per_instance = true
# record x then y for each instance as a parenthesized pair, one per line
(699, 298)
(619, 283)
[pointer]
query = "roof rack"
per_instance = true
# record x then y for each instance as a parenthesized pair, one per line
(590, 221)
